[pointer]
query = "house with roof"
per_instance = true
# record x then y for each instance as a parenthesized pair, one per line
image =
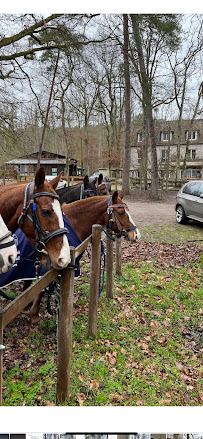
(52, 163)
(167, 139)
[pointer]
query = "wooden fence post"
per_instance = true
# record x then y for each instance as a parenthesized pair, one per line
(109, 268)
(1, 353)
(118, 255)
(65, 332)
(94, 280)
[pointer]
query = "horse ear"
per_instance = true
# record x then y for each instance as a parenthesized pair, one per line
(86, 180)
(54, 183)
(123, 194)
(115, 197)
(100, 178)
(39, 177)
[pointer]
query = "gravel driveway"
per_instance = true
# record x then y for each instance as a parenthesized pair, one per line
(146, 212)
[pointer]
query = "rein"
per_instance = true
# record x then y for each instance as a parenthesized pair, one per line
(6, 244)
(42, 236)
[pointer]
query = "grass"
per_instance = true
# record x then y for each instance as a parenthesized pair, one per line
(148, 347)
(173, 233)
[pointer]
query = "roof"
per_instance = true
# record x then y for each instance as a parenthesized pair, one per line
(34, 161)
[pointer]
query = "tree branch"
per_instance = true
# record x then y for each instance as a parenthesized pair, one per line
(25, 32)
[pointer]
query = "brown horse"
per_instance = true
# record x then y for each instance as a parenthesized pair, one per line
(109, 212)
(36, 210)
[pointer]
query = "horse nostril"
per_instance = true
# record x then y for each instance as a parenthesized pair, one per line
(11, 260)
(61, 262)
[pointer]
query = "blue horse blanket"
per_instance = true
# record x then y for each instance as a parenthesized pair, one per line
(24, 268)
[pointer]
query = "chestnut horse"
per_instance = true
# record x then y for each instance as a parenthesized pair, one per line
(108, 211)
(35, 208)
(8, 250)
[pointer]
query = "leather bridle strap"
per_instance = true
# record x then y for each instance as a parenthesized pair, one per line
(113, 218)
(6, 244)
(45, 237)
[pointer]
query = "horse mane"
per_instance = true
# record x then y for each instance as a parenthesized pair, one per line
(84, 201)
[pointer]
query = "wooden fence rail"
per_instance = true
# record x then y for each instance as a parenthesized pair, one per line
(66, 305)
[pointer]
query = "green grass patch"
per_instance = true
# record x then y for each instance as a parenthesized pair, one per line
(147, 351)
(173, 233)
(148, 347)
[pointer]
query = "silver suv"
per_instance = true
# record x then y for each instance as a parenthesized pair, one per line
(189, 202)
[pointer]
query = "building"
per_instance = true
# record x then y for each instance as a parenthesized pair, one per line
(191, 164)
(27, 165)
(53, 164)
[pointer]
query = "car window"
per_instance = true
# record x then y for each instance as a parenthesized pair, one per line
(192, 188)
(201, 189)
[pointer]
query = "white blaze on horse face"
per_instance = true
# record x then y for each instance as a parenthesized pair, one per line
(136, 232)
(64, 257)
(8, 254)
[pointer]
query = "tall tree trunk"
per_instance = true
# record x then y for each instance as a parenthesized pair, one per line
(126, 158)
(47, 113)
(146, 86)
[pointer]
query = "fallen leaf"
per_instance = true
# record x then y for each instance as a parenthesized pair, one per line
(81, 399)
(94, 384)
(112, 358)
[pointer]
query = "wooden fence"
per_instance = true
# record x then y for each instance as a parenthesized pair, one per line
(69, 180)
(66, 304)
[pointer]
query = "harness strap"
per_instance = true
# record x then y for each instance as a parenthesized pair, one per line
(113, 218)
(6, 244)
(81, 191)
(5, 236)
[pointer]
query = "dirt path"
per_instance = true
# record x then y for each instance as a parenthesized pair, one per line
(146, 212)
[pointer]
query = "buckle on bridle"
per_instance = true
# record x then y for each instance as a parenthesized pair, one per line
(40, 246)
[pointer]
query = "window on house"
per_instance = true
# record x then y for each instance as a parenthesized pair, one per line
(191, 135)
(191, 155)
(139, 154)
(139, 137)
(54, 171)
(164, 135)
(163, 155)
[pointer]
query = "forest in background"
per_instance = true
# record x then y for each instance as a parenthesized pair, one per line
(109, 70)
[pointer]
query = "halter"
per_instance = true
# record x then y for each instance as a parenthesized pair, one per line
(114, 220)
(85, 193)
(6, 244)
(42, 236)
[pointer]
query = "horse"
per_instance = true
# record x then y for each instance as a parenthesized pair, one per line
(101, 185)
(108, 211)
(78, 191)
(35, 209)
(8, 249)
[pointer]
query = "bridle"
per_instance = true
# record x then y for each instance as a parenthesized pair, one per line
(42, 236)
(6, 244)
(113, 219)
(86, 193)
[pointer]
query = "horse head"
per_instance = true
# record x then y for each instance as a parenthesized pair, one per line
(90, 189)
(119, 219)
(101, 186)
(8, 250)
(45, 213)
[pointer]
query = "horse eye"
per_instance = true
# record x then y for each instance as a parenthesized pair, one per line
(120, 213)
(45, 212)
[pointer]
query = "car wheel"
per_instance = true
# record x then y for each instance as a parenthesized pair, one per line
(180, 215)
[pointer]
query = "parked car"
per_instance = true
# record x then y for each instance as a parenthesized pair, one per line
(189, 202)
(61, 184)
(106, 180)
